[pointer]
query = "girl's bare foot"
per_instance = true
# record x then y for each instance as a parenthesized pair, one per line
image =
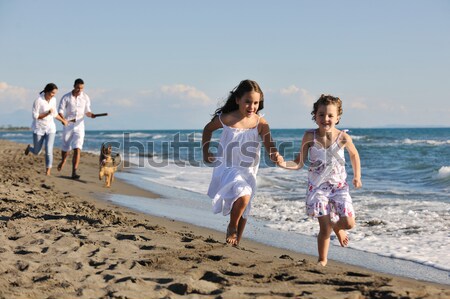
(342, 237)
(231, 237)
(60, 166)
(48, 172)
(322, 263)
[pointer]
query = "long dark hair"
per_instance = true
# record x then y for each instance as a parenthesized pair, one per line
(243, 87)
(49, 87)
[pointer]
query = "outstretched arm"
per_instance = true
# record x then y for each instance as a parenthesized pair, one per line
(213, 125)
(356, 163)
(269, 144)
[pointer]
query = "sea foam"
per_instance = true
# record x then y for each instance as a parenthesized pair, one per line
(443, 172)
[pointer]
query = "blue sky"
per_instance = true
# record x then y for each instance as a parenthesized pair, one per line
(169, 64)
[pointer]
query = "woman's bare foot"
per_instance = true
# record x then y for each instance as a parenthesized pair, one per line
(48, 172)
(231, 237)
(342, 237)
(60, 165)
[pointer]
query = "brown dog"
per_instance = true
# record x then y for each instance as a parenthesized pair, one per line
(107, 165)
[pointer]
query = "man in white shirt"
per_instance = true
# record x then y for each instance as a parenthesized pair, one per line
(73, 107)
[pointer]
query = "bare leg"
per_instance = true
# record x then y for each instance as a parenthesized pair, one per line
(323, 239)
(63, 160)
(339, 228)
(240, 231)
(75, 162)
(48, 171)
(235, 217)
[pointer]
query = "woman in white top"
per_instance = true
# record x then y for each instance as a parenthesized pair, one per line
(43, 126)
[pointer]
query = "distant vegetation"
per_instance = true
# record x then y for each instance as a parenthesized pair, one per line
(11, 128)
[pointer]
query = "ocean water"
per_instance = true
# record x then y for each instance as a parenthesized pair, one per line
(402, 211)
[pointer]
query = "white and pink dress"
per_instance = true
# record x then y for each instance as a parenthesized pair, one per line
(328, 191)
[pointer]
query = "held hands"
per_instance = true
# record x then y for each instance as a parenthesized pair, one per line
(357, 183)
(276, 158)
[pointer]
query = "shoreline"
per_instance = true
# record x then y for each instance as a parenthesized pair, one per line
(59, 238)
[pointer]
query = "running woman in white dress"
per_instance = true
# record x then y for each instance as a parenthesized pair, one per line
(233, 183)
(327, 196)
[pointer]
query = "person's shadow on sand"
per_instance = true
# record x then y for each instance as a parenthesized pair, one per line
(72, 179)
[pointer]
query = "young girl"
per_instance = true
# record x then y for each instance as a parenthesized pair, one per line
(236, 163)
(327, 196)
(43, 126)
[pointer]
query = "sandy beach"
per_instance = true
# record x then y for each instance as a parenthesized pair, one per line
(58, 239)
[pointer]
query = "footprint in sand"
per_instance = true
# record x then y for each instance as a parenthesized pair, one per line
(146, 262)
(231, 273)
(159, 280)
(213, 277)
(186, 239)
(147, 247)
(179, 288)
(41, 278)
(22, 266)
(204, 288)
(24, 252)
(127, 278)
(94, 252)
(196, 259)
(356, 274)
(286, 257)
(284, 277)
(215, 258)
(211, 240)
(108, 277)
(131, 237)
(95, 264)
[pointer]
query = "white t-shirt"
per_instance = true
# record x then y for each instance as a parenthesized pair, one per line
(45, 125)
(74, 109)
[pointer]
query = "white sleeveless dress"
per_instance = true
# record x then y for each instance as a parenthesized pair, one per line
(237, 163)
